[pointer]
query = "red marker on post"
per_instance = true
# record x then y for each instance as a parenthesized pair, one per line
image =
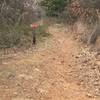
(33, 26)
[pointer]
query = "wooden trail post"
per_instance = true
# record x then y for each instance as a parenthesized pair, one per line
(34, 26)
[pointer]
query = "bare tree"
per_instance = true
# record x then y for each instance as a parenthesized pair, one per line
(14, 11)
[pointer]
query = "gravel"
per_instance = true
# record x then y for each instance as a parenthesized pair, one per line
(89, 71)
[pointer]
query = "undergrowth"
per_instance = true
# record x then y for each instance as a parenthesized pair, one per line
(21, 36)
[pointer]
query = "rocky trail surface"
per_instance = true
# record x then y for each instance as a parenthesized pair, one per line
(46, 73)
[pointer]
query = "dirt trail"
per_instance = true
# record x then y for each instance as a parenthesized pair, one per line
(47, 74)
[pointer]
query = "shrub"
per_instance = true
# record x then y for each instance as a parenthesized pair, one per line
(54, 7)
(14, 12)
(9, 37)
(15, 17)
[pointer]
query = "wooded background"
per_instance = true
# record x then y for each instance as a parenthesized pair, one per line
(17, 15)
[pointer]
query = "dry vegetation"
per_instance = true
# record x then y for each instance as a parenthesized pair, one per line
(65, 62)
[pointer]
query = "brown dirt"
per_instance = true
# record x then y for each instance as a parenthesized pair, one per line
(46, 73)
